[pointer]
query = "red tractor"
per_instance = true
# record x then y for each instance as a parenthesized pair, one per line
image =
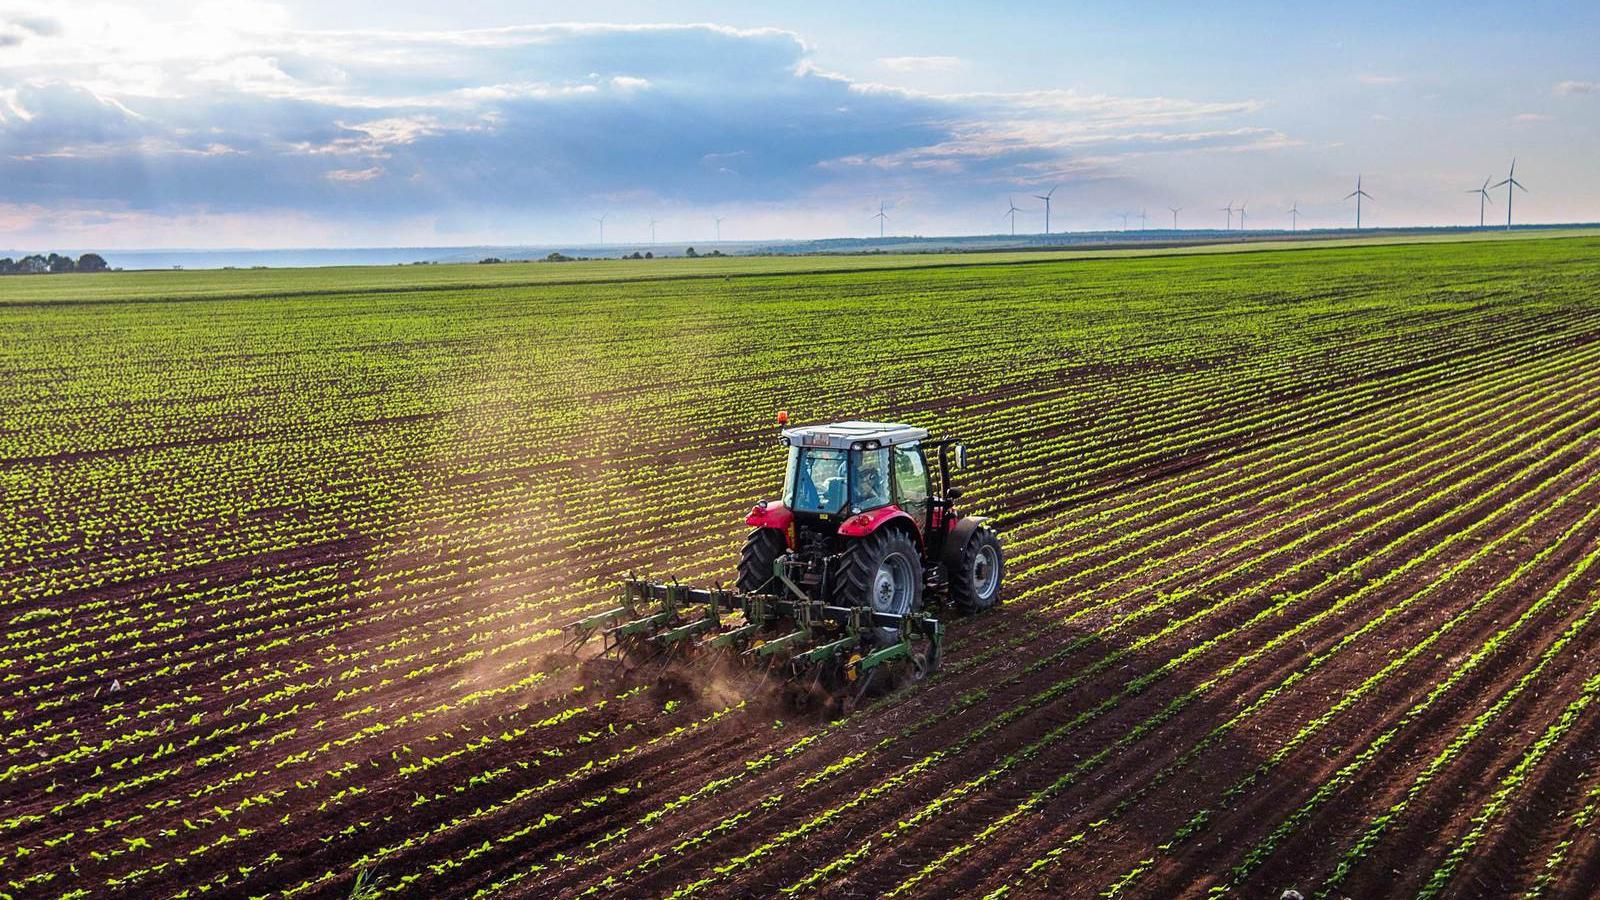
(860, 523)
(834, 579)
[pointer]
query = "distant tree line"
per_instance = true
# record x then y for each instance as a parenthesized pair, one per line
(52, 264)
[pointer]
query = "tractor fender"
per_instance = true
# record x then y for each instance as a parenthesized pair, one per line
(956, 540)
(863, 524)
(770, 515)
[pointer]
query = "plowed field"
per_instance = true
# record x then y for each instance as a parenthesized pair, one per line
(1302, 587)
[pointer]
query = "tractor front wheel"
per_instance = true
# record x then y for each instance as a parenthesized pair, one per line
(884, 571)
(975, 582)
(761, 552)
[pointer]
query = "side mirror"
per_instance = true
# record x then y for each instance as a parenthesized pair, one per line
(961, 457)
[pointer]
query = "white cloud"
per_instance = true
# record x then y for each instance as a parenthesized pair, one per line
(233, 110)
(349, 175)
(1375, 79)
(12, 107)
(1531, 117)
(910, 64)
(249, 74)
(1578, 87)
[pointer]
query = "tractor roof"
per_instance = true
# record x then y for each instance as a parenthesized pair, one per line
(853, 435)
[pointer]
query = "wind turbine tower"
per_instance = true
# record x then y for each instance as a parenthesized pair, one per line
(1229, 210)
(652, 232)
(1294, 216)
(1483, 197)
(718, 220)
(1012, 212)
(1511, 182)
(1144, 221)
(1241, 217)
(1046, 198)
(1358, 193)
(602, 221)
(1175, 210)
(881, 217)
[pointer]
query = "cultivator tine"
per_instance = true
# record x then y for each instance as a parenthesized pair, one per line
(862, 686)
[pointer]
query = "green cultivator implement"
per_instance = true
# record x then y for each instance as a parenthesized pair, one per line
(817, 648)
(834, 579)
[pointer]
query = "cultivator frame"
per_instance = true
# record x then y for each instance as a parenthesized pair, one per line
(811, 639)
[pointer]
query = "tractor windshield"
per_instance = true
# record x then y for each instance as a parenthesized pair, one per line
(823, 480)
(816, 482)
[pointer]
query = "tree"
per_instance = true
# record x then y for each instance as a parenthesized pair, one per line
(59, 263)
(690, 252)
(92, 262)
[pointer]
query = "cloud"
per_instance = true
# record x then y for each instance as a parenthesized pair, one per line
(1377, 80)
(910, 64)
(219, 118)
(1578, 87)
(1531, 117)
(366, 174)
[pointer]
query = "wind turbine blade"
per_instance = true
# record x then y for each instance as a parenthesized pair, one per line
(1501, 183)
(1519, 186)
(1351, 194)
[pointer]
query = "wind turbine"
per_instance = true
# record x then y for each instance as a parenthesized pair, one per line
(1294, 216)
(1144, 222)
(1483, 197)
(1124, 220)
(1175, 211)
(1511, 182)
(652, 231)
(1241, 217)
(718, 220)
(1046, 198)
(1229, 210)
(602, 221)
(1012, 212)
(881, 217)
(1358, 193)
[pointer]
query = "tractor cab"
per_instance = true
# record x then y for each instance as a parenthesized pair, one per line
(850, 468)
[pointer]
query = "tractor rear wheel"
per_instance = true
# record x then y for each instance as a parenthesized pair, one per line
(975, 582)
(884, 571)
(761, 552)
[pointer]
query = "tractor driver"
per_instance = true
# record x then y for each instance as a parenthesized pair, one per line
(871, 488)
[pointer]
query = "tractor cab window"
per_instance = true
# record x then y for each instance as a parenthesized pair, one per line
(911, 482)
(869, 489)
(817, 480)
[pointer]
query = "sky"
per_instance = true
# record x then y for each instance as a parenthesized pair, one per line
(238, 123)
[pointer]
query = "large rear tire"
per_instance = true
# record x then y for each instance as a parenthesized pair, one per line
(761, 552)
(975, 581)
(884, 571)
